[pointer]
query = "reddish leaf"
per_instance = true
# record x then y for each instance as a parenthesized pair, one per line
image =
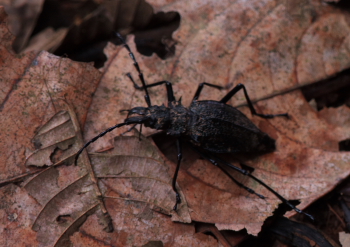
(17, 215)
(33, 93)
(35, 88)
(272, 47)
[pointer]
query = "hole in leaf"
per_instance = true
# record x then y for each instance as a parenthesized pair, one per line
(344, 145)
(63, 218)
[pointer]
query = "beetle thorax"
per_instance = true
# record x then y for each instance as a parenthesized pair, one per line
(179, 118)
(172, 119)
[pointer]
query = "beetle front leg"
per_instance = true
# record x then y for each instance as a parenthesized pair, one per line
(179, 158)
(250, 104)
(169, 87)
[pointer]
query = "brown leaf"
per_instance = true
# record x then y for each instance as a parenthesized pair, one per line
(34, 87)
(137, 226)
(33, 93)
(273, 47)
(22, 19)
(47, 40)
(344, 238)
(17, 214)
(67, 194)
(136, 171)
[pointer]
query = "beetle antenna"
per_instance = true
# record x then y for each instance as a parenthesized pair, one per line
(128, 121)
(95, 138)
(142, 79)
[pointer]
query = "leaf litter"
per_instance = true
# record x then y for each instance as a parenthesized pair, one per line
(305, 166)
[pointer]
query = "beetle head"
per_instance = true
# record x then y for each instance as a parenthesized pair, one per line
(155, 117)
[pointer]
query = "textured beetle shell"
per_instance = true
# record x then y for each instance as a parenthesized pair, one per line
(221, 128)
(179, 118)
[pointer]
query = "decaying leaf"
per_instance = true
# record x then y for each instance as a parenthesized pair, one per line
(33, 89)
(57, 134)
(17, 213)
(344, 238)
(134, 174)
(138, 226)
(22, 19)
(273, 47)
(66, 199)
(33, 92)
(135, 170)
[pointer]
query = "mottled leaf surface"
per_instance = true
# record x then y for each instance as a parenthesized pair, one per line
(273, 47)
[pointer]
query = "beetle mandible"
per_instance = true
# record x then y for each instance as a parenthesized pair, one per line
(206, 125)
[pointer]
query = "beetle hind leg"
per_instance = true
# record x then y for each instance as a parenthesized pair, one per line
(218, 162)
(251, 191)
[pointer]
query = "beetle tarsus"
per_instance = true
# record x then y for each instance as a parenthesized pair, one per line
(178, 201)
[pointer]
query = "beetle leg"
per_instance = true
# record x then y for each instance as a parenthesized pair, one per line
(179, 158)
(217, 161)
(251, 191)
(250, 104)
(129, 130)
(169, 89)
(200, 87)
(132, 128)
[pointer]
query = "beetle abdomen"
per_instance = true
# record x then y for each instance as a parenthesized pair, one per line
(221, 128)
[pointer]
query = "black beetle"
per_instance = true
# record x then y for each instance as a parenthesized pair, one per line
(207, 125)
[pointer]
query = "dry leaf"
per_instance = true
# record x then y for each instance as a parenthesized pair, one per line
(270, 46)
(22, 19)
(33, 93)
(137, 189)
(34, 87)
(67, 194)
(47, 40)
(344, 238)
(138, 226)
(17, 214)
(135, 170)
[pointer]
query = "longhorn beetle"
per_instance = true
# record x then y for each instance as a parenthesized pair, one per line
(208, 126)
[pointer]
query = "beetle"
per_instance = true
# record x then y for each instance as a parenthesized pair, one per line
(209, 127)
